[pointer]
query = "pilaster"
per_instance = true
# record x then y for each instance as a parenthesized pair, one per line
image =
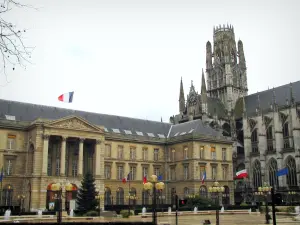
(98, 159)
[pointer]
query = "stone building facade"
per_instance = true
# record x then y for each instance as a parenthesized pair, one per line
(264, 126)
(41, 145)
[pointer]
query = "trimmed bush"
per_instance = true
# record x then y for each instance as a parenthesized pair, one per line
(125, 213)
(92, 213)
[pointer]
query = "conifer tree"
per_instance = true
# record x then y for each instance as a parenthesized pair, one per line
(86, 196)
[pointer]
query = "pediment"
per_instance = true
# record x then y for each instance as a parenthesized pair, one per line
(74, 123)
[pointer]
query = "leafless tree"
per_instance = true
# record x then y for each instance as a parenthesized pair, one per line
(13, 50)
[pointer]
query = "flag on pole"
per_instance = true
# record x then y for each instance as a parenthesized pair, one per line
(241, 174)
(66, 97)
(144, 180)
(203, 177)
(282, 172)
(1, 175)
(125, 179)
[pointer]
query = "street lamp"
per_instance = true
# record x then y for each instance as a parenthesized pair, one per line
(291, 194)
(215, 190)
(154, 185)
(57, 187)
(265, 190)
(21, 203)
(99, 197)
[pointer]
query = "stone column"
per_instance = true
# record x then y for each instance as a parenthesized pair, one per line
(98, 158)
(80, 157)
(45, 154)
(63, 157)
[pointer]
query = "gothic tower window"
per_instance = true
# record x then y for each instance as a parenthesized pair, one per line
(285, 132)
(273, 179)
(291, 178)
(254, 142)
(270, 139)
(257, 174)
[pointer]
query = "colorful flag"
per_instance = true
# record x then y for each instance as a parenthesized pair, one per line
(66, 97)
(159, 178)
(241, 174)
(144, 180)
(203, 177)
(1, 175)
(125, 179)
(282, 172)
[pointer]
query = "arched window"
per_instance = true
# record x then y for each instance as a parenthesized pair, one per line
(133, 196)
(203, 192)
(285, 133)
(273, 179)
(270, 138)
(107, 196)
(257, 174)
(226, 196)
(145, 197)
(254, 141)
(120, 196)
(291, 178)
(173, 193)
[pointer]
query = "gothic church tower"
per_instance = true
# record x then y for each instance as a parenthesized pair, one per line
(226, 67)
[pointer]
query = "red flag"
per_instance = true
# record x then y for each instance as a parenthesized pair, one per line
(144, 180)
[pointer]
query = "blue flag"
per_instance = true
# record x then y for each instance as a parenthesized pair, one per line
(1, 175)
(160, 178)
(282, 172)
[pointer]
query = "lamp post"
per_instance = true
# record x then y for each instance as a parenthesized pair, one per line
(154, 185)
(265, 190)
(215, 190)
(291, 194)
(99, 197)
(134, 198)
(57, 187)
(21, 202)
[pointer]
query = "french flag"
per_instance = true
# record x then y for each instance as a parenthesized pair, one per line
(144, 180)
(66, 97)
(203, 177)
(125, 179)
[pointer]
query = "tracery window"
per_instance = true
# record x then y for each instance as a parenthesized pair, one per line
(273, 179)
(292, 175)
(257, 174)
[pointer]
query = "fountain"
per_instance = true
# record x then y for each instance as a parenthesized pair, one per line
(297, 211)
(169, 211)
(195, 210)
(40, 213)
(71, 213)
(144, 210)
(7, 214)
(222, 209)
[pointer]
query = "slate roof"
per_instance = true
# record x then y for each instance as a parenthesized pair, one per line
(282, 94)
(30, 112)
(193, 127)
(215, 106)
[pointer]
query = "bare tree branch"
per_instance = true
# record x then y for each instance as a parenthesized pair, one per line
(13, 50)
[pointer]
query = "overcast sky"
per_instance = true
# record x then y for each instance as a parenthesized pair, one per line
(126, 57)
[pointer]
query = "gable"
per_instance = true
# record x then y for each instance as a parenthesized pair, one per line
(74, 123)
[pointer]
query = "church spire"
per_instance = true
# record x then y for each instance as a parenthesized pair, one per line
(203, 84)
(181, 98)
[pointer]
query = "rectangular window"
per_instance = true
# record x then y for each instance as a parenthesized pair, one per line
(120, 172)
(9, 168)
(213, 172)
(213, 153)
(132, 173)
(225, 172)
(202, 169)
(173, 155)
(11, 141)
(201, 152)
(186, 172)
(49, 167)
(57, 169)
(157, 171)
(107, 171)
(132, 153)
(156, 154)
(173, 173)
(107, 151)
(145, 172)
(185, 152)
(120, 152)
(224, 154)
(145, 154)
